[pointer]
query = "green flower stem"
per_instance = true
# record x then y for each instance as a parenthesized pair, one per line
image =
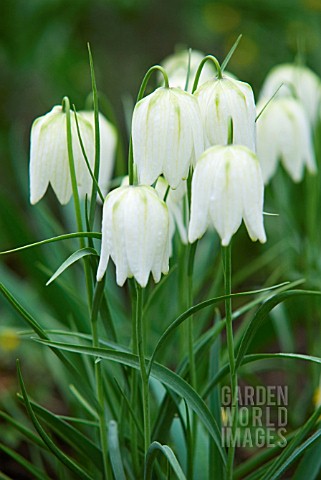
(133, 383)
(190, 269)
(99, 291)
(139, 97)
(66, 108)
(227, 256)
(191, 356)
(93, 199)
(200, 68)
(142, 364)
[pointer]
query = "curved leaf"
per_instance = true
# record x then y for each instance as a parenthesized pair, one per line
(162, 374)
(69, 434)
(54, 239)
(260, 317)
(168, 453)
(74, 257)
(36, 472)
(196, 308)
(71, 464)
(254, 358)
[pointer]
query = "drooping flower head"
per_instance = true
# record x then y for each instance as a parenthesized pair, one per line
(135, 234)
(49, 155)
(284, 133)
(167, 135)
(227, 187)
(298, 81)
(223, 99)
(108, 142)
(174, 200)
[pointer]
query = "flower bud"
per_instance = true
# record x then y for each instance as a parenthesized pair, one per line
(49, 155)
(108, 143)
(135, 234)
(167, 135)
(221, 100)
(227, 186)
(298, 81)
(284, 133)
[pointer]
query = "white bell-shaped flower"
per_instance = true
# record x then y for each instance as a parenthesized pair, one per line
(49, 155)
(298, 81)
(176, 66)
(221, 100)
(284, 133)
(167, 135)
(135, 234)
(108, 143)
(227, 186)
(175, 200)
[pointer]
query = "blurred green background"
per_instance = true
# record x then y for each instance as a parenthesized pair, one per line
(43, 57)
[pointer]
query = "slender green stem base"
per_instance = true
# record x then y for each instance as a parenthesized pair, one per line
(142, 364)
(99, 379)
(227, 256)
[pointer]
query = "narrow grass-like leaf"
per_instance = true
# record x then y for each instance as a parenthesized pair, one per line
(293, 449)
(69, 434)
(83, 401)
(71, 464)
(36, 327)
(35, 472)
(3, 476)
(196, 308)
(168, 453)
(260, 317)
(201, 347)
(22, 429)
(74, 257)
(230, 53)
(162, 374)
(310, 465)
(130, 408)
(67, 236)
(93, 199)
(114, 451)
(254, 358)
(259, 459)
(296, 454)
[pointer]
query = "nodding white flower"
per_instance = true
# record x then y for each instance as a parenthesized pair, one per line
(49, 155)
(175, 203)
(135, 234)
(108, 143)
(167, 135)
(227, 186)
(284, 133)
(297, 80)
(221, 100)
(176, 66)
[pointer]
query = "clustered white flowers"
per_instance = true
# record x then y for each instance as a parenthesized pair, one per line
(210, 134)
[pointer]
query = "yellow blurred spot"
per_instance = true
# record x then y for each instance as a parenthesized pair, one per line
(221, 18)
(317, 396)
(224, 416)
(312, 4)
(9, 340)
(246, 54)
